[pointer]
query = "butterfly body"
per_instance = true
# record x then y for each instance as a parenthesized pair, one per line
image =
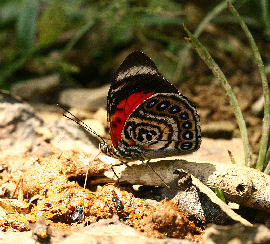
(149, 118)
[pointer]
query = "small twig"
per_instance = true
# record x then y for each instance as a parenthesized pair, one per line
(243, 185)
(85, 180)
(231, 157)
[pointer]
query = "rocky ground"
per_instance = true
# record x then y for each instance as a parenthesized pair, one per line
(55, 189)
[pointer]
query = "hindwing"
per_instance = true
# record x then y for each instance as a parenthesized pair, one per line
(163, 122)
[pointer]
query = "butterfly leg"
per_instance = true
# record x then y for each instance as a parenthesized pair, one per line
(114, 165)
(115, 172)
(147, 163)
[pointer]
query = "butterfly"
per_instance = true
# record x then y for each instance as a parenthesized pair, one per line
(148, 117)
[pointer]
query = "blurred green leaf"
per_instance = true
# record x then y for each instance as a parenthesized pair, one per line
(161, 21)
(265, 16)
(8, 12)
(98, 31)
(51, 24)
(54, 64)
(27, 24)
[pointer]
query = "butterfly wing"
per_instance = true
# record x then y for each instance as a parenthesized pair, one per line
(163, 125)
(136, 80)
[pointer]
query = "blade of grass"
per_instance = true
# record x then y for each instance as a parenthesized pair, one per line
(207, 19)
(219, 194)
(206, 57)
(266, 120)
(77, 37)
(267, 160)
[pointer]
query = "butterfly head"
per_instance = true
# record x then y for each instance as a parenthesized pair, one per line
(106, 148)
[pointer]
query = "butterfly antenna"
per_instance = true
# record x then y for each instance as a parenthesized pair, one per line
(80, 123)
(147, 163)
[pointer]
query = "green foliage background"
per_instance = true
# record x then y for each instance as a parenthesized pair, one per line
(85, 40)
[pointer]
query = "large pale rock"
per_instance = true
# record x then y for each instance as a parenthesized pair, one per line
(18, 123)
(67, 135)
(237, 234)
(88, 99)
(38, 89)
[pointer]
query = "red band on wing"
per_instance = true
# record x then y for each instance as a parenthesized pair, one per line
(123, 110)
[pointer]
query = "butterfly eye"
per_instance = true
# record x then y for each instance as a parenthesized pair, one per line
(152, 103)
(186, 145)
(188, 135)
(163, 105)
(174, 109)
(187, 125)
(184, 115)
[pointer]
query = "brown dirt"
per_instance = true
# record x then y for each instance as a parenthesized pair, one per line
(53, 186)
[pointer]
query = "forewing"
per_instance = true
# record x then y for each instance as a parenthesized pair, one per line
(136, 80)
